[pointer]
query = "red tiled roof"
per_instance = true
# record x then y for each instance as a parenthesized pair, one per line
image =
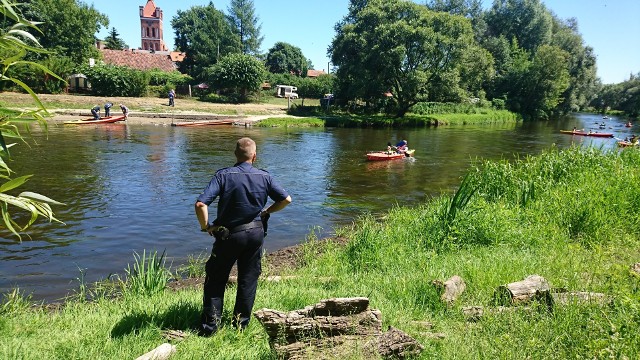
(177, 56)
(315, 73)
(138, 60)
(149, 9)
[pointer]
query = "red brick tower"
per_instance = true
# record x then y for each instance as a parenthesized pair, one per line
(151, 27)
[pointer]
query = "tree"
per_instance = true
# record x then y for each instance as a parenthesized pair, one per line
(398, 46)
(15, 42)
(113, 41)
(244, 22)
(528, 21)
(548, 78)
(204, 34)
(68, 27)
(471, 9)
(285, 58)
(238, 74)
(581, 65)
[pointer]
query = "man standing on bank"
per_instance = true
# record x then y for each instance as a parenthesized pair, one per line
(243, 191)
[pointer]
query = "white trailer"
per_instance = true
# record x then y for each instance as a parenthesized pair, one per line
(286, 91)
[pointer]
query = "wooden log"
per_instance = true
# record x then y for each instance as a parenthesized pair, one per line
(162, 352)
(334, 329)
(533, 287)
(396, 343)
(335, 347)
(451, 289)
(290, 327)
(475, 313)
(580, 298)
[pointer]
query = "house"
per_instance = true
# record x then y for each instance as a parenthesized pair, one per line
(315, 73)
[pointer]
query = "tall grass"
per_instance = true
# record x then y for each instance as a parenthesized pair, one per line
(148, 276)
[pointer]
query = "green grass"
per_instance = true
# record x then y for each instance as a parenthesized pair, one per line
(290, 122)
(570, 216)
(486, 116)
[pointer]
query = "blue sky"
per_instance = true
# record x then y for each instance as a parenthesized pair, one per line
(611, 27)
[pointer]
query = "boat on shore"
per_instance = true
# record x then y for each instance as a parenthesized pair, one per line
(584, 133)
(107, 120)
(203, 123)
(388, 155)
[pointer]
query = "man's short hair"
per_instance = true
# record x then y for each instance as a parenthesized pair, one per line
(245, 149)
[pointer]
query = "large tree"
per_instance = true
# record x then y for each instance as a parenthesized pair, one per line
(284, 58)
(398, 46)
(68, 27)
(581, 65)
(529, 21)
(204, 34)
(238, 74)
(244, 22)
(113, 40)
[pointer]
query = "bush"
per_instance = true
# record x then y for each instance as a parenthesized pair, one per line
(111, 80)
(498, 104)
(175, 78)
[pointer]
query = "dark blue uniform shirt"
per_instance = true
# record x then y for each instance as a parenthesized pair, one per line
(243, 192)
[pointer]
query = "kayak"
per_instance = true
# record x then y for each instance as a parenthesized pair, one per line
(203, 123)
(582, 133)
(102, 118)
(626, 143)
(99, 121)
(386, 155)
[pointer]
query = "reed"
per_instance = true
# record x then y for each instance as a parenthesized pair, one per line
(148, 275)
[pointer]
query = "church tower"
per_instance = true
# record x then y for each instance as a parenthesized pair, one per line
(151, 27)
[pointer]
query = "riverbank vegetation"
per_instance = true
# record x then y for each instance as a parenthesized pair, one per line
(289, 122)
(570, 216)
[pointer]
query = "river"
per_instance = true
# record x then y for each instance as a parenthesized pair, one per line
(131, 188)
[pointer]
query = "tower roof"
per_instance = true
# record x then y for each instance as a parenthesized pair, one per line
(149, 9)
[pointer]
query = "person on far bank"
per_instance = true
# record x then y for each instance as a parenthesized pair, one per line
(239, 230)
(95, 111)
(172, 96)
(107, 109)
(125, 111)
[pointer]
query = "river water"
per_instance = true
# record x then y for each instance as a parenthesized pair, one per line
(132, 188)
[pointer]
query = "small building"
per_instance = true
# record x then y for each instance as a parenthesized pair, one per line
(78, 83)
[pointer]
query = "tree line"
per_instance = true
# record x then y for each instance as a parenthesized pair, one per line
(388, 55)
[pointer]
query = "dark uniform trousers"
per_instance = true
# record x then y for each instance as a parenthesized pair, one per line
(245, 247)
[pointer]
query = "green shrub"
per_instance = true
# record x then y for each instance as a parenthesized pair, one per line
(111, 80)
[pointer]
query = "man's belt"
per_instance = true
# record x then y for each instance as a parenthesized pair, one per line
(247, 226)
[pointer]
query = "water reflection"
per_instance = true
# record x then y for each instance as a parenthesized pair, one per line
(132, 188)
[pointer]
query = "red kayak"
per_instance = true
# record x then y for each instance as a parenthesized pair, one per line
(108, 120)
(386, 155)
(582, 133)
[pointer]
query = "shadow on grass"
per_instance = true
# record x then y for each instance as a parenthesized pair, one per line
(181, 316)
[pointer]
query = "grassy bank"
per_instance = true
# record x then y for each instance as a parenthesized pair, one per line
(290, 122)
(487, 116)
(570, 216)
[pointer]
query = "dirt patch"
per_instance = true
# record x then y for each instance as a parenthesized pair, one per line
(277, 263)
(59, 103)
